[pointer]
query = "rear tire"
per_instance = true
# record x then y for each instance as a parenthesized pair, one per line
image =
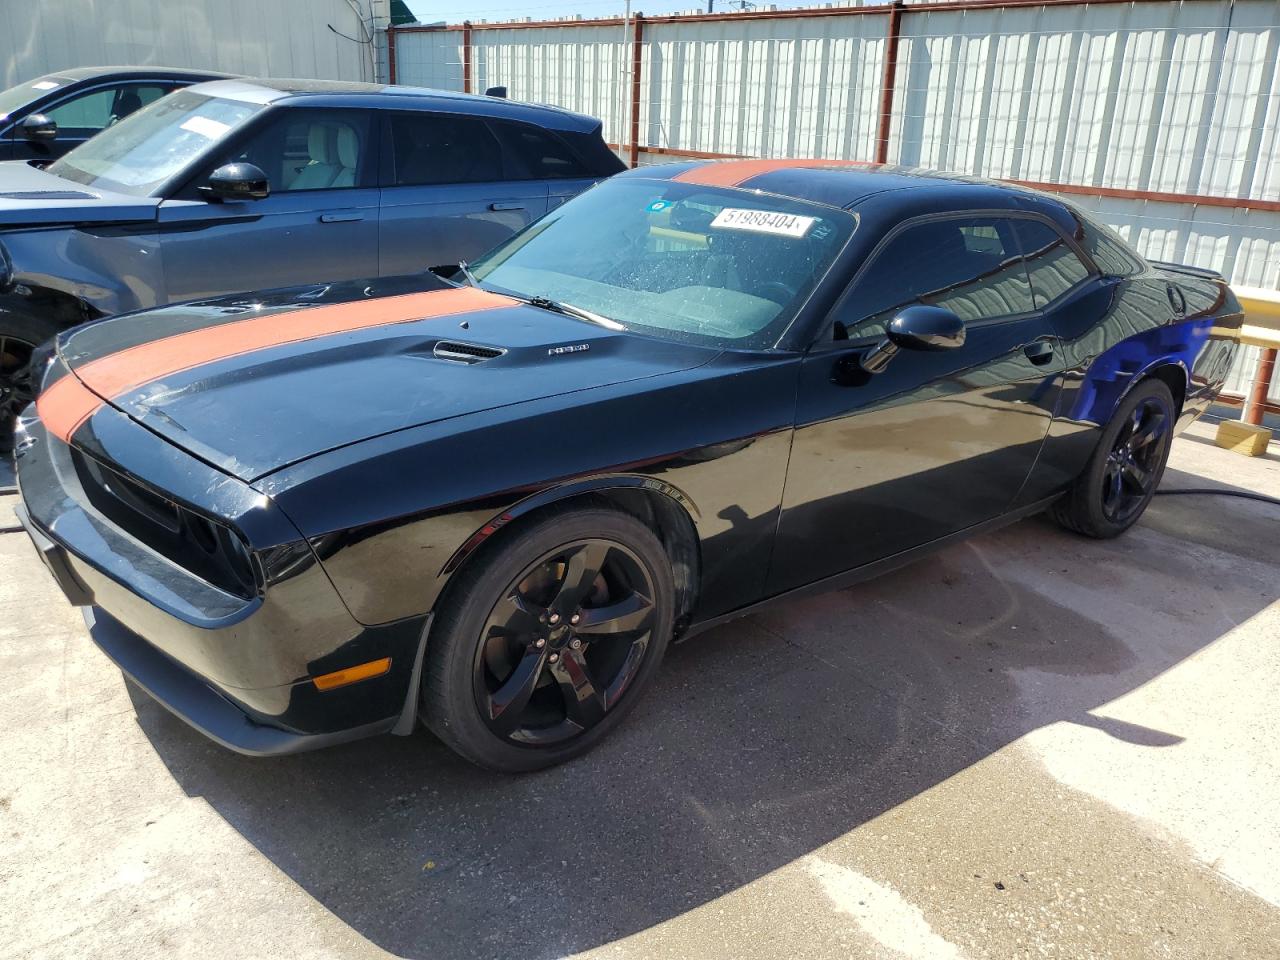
(1122, 475)
(547, 641)
(19, 335)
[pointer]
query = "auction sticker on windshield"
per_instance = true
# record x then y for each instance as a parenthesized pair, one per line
(763, 221)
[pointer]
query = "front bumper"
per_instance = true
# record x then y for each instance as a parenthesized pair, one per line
(237, 670)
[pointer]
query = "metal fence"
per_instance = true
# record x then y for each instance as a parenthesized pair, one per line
(1162, 117)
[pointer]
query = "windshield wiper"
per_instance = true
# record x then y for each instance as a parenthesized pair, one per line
(569, 310)
(466, 272)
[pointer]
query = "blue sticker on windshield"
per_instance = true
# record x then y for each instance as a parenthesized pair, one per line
(658, 206)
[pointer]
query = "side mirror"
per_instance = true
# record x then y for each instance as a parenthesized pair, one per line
(499, 92)
(916, 328)
(37, 126)
(237, 181)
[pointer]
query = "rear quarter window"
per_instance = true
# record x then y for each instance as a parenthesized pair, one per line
(534, 154)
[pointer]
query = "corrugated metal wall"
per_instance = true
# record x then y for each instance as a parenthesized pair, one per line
(280, 38)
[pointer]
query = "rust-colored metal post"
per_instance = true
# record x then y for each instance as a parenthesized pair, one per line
(1261, 387)
(889, 79)
(637, 44)
(466, 56)
(391, 54)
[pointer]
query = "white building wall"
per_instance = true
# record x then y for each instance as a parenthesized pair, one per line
(276, 38)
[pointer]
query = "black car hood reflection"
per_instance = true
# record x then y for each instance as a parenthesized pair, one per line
(255, 412)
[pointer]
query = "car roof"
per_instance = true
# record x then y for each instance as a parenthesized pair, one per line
(844, 183)
(339, 93)
(79, 74)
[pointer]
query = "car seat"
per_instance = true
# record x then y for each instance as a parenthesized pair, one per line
(333, 150)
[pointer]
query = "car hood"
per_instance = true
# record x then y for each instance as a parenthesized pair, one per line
(253, 383)
(29, 196)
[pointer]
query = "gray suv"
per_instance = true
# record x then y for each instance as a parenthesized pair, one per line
(251, 184)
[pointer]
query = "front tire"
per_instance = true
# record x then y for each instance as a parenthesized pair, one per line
(548, 640)
(1122, 475)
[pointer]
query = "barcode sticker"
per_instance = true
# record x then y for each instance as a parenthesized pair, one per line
(763, 221)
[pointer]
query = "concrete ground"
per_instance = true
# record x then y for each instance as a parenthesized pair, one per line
(1031, 744)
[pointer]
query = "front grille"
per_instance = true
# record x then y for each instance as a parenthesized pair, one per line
(204, 547)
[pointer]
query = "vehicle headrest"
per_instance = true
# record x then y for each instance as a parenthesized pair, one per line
(348, 147)
(320, 145)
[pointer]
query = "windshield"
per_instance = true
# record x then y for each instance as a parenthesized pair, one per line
(684, 261)
(19, 96)
(146, 148)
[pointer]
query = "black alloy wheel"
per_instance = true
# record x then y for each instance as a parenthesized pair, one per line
(561, 648)
(1121, 477)
(1134, 462)
(547, 637)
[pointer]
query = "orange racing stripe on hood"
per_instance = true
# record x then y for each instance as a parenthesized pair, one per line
(66, 405)
(733, 173)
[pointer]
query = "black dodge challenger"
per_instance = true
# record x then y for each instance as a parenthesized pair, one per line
(491, 501)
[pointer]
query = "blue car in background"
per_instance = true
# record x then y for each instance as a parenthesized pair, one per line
(250, 184)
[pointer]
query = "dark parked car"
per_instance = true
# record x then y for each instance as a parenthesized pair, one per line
(311, 515)
(242, 185)
(42, 119)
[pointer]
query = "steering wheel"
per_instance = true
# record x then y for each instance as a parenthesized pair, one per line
(777, 291)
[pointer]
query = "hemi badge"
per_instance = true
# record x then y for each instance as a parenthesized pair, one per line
(576, 348)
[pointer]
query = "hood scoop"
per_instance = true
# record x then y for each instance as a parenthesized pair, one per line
(47, 195)
(457, 352)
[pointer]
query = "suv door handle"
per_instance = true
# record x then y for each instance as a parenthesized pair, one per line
(341, 217)
(500, 205)
(1040, 352)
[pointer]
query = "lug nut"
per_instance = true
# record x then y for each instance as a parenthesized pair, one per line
(555, 618)
(540, 643)
(576, 644)
(575, 618)
(554, 657)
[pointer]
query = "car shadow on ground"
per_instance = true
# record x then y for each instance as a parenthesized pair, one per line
(760, 742)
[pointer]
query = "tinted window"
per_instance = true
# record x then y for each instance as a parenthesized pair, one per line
(971, 266)
(534, 154)
(102, 108)
(438, 148)
(1108, 251)
(1053, 266)
(310, 149)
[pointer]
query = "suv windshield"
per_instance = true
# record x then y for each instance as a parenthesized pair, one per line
(19, 96)
(717, 266)
(145, 149)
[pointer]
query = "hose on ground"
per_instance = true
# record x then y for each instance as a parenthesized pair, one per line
(1210, 492)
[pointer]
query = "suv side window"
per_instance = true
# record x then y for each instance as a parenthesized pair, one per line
(534, 154)
(1054, 268)
(310, 150)
(969, 265)
(99, 109)
(431, 148)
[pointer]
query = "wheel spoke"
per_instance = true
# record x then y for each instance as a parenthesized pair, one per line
(1135, 476)
(583, 703)
(1150, 432)
(507, 703)
(581, 569)
(516, 616)
(1111, 488)
(629, 614)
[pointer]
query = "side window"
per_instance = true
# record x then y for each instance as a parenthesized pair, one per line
(429, 148)
(1108, 251)
(534, 154)
(310, 150)
(101, 108)
(1054, 268)
(971, 266)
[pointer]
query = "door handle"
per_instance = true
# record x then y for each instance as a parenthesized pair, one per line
(1040, 352)
(341, 217)
(501, 205)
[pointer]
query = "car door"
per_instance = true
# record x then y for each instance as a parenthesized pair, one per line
(937, 441)
(319, 223)
(447, 194)
(84, 114)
